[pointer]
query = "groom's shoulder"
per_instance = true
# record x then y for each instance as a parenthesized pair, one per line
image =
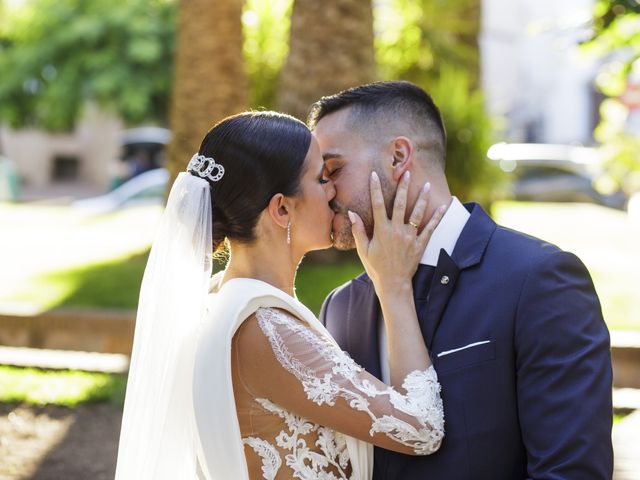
(505, 236)
(518, 250)
(500, 238)
(502, 247)
(342, 292)
(339, 298)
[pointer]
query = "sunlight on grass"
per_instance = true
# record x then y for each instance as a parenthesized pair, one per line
(605, 240)
(44, 241)
(116, 284)
(108, 284)
(69, 388)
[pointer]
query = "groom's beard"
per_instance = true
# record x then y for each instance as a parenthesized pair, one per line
(342, 235)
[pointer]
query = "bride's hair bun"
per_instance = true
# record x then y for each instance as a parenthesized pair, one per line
(262, 154)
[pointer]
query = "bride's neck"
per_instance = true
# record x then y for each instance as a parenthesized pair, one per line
(276, 267)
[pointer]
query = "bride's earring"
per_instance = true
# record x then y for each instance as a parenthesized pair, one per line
(289, 233)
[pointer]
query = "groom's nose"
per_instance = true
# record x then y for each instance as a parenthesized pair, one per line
(331, 191)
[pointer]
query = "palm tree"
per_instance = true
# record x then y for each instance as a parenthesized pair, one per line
(330, 48)
(210, 82)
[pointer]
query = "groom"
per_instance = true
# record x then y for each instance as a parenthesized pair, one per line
(512, 323)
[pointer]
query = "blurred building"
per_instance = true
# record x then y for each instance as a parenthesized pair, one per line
(81, 157)
(533, 72)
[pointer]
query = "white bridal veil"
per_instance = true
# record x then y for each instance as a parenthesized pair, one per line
(157, 436)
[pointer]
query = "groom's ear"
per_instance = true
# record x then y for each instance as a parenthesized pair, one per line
(278, 209)
(402, 151)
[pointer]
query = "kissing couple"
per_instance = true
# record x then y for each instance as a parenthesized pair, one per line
(465, 351)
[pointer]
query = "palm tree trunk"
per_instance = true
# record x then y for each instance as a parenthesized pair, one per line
(330, 48)
(210, 82)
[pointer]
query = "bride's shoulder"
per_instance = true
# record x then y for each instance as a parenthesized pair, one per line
(271, 319)
(275, 315)
(264, 328)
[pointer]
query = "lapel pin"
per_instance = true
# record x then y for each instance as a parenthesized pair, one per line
(444, 280)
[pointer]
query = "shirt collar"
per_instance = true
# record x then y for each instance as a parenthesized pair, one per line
(446, 233)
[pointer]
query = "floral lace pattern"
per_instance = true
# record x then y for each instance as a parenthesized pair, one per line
(306, 463)
(332, 374)
(271, 460)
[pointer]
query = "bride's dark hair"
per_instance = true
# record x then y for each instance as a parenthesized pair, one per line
(262, 154)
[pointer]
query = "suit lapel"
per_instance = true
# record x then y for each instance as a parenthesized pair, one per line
(362, 325)
(467, 253)
(442, 287)
(474, 237)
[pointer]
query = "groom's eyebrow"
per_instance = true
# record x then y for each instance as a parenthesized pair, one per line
(329, 155)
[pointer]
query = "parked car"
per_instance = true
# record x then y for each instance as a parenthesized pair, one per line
(557, 173)
(141, 149)
(147, 188)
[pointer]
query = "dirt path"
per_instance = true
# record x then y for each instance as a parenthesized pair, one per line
(53, 443)
(57, 443)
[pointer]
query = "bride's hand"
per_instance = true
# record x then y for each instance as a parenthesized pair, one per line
(392, 255)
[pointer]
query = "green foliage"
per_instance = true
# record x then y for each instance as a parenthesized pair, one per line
(617, 41)
(59, 54)
(434, 44)
(416, 39)
(55, 55)
(619, 149)
(471, 176)
(607, 12)
(59, 387)
(266, 35)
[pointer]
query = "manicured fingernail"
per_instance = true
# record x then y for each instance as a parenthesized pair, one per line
(426, 188)
(406, 176)
(443, 208)
(352, 216)
(374, 175)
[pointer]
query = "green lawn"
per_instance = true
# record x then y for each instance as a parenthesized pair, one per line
(603, 238)
(105, 284)
(69, 388)
(46, 250)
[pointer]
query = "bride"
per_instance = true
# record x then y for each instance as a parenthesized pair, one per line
(231, 376)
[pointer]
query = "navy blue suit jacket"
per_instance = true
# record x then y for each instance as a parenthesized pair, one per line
(534, 400)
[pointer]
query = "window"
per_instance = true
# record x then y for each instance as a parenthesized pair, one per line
(65, 169)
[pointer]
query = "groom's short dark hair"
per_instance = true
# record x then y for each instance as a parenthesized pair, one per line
(381, 105)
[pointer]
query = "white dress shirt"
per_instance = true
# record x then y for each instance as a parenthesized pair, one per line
(444, 237)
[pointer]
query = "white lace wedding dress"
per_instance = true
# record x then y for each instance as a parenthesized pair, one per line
(275, 398)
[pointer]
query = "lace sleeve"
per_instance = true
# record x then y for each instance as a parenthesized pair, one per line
(321, 382)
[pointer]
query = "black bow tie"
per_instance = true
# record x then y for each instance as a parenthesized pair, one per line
(422, 281)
